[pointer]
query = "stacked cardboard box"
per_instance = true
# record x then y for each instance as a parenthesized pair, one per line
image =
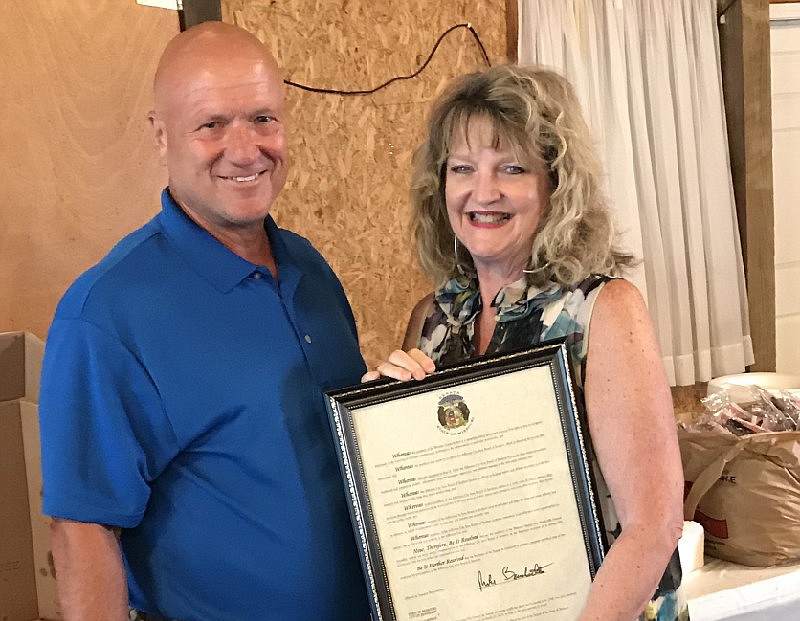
(27, 575)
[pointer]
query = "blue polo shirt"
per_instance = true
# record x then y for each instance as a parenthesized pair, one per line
(182, 400)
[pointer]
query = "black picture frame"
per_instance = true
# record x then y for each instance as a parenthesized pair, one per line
(360, 417)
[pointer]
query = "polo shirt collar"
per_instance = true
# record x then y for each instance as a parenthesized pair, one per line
(207, 255)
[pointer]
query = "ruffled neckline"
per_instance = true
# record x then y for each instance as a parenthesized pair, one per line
(460, 299)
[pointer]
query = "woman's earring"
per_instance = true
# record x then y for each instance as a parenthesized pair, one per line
(455, 252)
(536, 270)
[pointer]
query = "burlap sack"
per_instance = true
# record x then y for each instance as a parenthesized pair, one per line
(745, 491)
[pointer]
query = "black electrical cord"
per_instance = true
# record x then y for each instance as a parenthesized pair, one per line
(722, 10)
(331, 91)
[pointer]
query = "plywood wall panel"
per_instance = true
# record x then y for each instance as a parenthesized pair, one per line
(80, 168)
(348, 185)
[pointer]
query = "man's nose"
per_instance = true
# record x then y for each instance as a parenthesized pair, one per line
(241, 144)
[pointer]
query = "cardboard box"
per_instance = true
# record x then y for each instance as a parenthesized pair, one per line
(17, 581)
(27, 574)
(20, 366)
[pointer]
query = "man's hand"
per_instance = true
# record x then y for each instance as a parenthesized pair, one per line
(403, 365)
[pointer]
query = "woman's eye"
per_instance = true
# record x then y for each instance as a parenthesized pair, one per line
(460, 168)
(513, 169)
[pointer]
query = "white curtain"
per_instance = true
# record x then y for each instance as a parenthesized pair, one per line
(648, 76)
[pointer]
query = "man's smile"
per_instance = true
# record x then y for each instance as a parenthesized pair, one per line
(252, 177)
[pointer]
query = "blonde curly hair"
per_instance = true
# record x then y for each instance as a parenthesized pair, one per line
(537, 113)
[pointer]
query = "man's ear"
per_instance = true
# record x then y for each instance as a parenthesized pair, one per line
(159, 135)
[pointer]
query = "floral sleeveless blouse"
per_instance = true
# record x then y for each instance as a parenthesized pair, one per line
(527, 316)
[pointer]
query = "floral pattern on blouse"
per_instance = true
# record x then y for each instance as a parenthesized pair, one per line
(526, 316)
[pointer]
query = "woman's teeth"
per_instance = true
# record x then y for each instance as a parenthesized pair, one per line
(491, 217)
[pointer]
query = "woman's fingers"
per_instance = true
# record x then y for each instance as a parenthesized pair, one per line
(403, 365)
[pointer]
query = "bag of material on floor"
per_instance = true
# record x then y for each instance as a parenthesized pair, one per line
(745, 491)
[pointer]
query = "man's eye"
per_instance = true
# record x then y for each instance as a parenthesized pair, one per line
(263, 118)
(210, 125)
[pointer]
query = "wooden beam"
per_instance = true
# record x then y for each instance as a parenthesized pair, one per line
(197, 11)
(512, 30)
(745, 51)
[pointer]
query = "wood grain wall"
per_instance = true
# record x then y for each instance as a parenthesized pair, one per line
(348, 183)
(79, 170)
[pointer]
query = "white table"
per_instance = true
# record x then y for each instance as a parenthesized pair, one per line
(725, 591)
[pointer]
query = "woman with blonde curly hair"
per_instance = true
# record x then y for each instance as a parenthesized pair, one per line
(510, 221)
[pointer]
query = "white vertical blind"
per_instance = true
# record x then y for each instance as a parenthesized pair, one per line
(648, 76)
(785, 72)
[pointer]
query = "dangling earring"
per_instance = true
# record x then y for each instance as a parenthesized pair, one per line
(536, 270)
(455, 253)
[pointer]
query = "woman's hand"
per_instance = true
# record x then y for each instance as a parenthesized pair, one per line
(403, 365)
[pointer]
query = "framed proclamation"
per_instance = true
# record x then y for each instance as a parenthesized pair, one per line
(471, 492)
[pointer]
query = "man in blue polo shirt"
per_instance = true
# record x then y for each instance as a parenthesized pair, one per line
(187, 457)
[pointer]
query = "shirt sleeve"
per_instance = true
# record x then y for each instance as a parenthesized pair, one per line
(104, 433)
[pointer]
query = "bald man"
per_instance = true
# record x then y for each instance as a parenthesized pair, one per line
(187, 459)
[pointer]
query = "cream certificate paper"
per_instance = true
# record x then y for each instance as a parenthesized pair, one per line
(473, 502)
